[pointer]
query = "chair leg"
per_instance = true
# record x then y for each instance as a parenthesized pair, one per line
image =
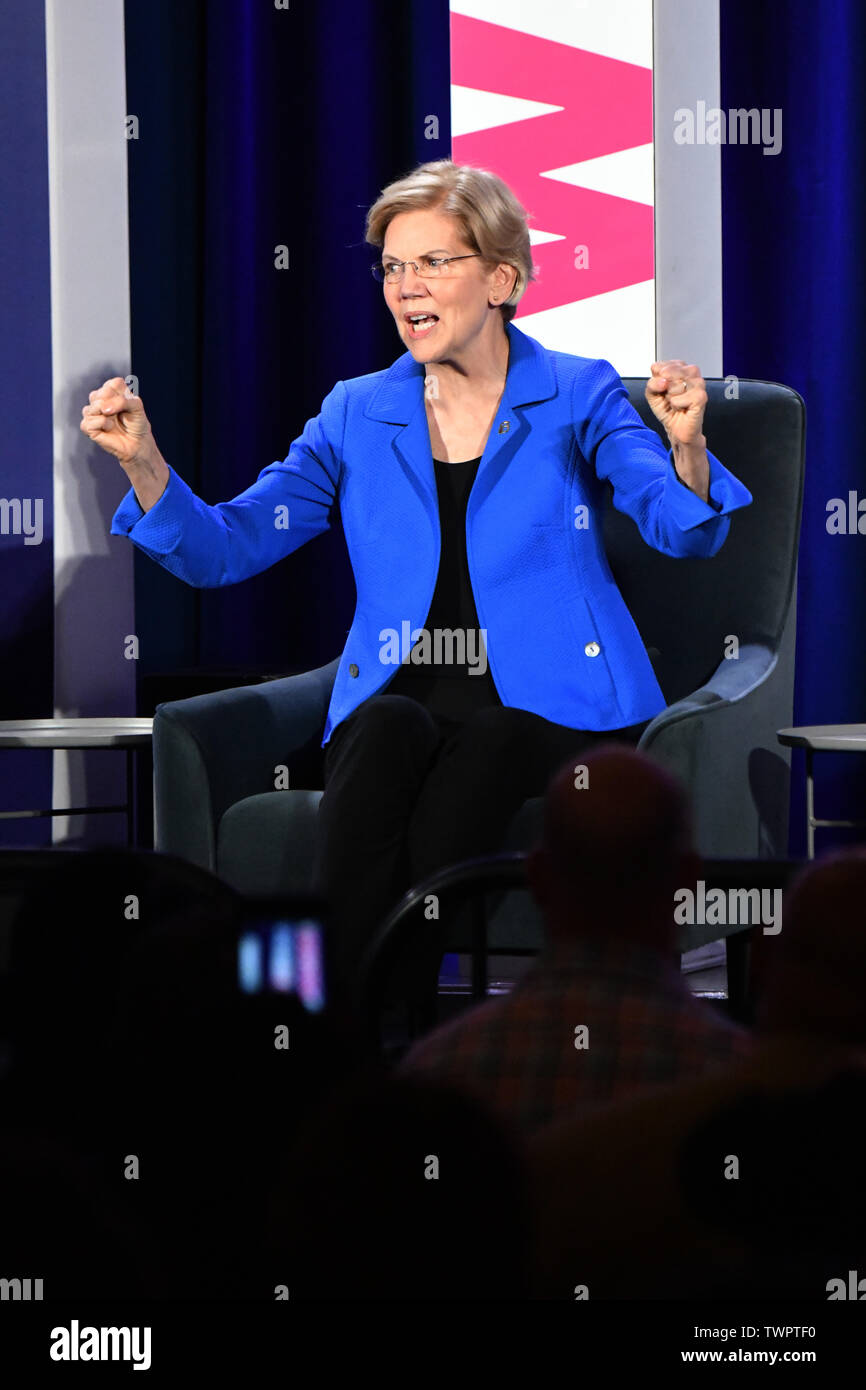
(413, 986)
(479, 948)
(738, 951)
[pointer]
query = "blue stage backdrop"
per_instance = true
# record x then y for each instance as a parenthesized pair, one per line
(26, 443)
(793, 232)
(262, 128)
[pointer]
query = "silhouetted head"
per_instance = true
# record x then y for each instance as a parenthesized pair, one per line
(811, 977)
(615, 846)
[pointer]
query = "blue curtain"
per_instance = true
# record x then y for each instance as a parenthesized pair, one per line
(263, 128)
(26, 443)
(794, 231)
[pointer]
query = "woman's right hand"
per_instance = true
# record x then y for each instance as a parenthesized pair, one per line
(116, 421)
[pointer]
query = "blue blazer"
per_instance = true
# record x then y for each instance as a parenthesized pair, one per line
(560, 640)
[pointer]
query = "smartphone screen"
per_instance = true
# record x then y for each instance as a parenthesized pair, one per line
(282, 951)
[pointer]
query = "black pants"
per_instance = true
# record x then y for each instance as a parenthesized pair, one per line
(406, 794)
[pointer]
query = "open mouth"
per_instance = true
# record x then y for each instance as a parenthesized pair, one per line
(420, 325)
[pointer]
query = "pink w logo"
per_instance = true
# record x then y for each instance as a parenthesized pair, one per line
(606, 109)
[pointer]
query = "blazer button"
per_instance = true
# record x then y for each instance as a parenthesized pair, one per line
(353, 670)
(592, 649)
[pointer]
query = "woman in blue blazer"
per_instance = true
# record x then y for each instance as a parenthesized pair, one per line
(490, 642)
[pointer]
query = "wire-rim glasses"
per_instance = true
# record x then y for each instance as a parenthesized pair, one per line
(428, 267)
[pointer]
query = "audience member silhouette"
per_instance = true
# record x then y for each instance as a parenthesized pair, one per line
(604, 1009)
(312, 1173)
(810, 979)
(153, 1085)
(746, 1183)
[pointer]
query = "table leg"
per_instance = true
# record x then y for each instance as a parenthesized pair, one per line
(130, 797)
(810, 807)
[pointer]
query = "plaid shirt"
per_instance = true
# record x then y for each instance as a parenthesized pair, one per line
(521, 1053)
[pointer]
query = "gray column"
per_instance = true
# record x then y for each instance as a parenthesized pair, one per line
(93, 571)
(688, 196)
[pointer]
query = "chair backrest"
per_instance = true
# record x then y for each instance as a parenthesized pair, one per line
(683, 608)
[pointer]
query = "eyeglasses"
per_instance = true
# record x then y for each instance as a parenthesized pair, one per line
(429, 267)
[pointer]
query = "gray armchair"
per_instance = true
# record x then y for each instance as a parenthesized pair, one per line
(215, 755)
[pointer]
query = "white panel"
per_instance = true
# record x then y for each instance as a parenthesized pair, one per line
(473, 109)
(625, 174)
(93, 571)
(682, 48)
(617, 326)
(537, 238)
(620, 30)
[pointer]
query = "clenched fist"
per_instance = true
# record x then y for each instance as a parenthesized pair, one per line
(116, 421)
(677, 396)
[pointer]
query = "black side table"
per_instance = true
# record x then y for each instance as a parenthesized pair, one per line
(823, 738)
(126, 732)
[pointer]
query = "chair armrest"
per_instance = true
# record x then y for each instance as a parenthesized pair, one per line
(213, 750)
(731, 681)
(720, 742)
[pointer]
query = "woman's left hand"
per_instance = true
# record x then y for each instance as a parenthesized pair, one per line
(677, 396)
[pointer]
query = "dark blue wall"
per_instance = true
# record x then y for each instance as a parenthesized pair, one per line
(794, 229)
(26, 437)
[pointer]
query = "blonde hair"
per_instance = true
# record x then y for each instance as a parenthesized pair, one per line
(492, 221)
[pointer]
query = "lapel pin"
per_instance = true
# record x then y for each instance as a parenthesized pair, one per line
(505, 427)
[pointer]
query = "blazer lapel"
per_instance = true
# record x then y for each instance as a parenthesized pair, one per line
(399, 401)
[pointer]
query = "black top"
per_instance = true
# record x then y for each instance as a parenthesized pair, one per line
(451, 691)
